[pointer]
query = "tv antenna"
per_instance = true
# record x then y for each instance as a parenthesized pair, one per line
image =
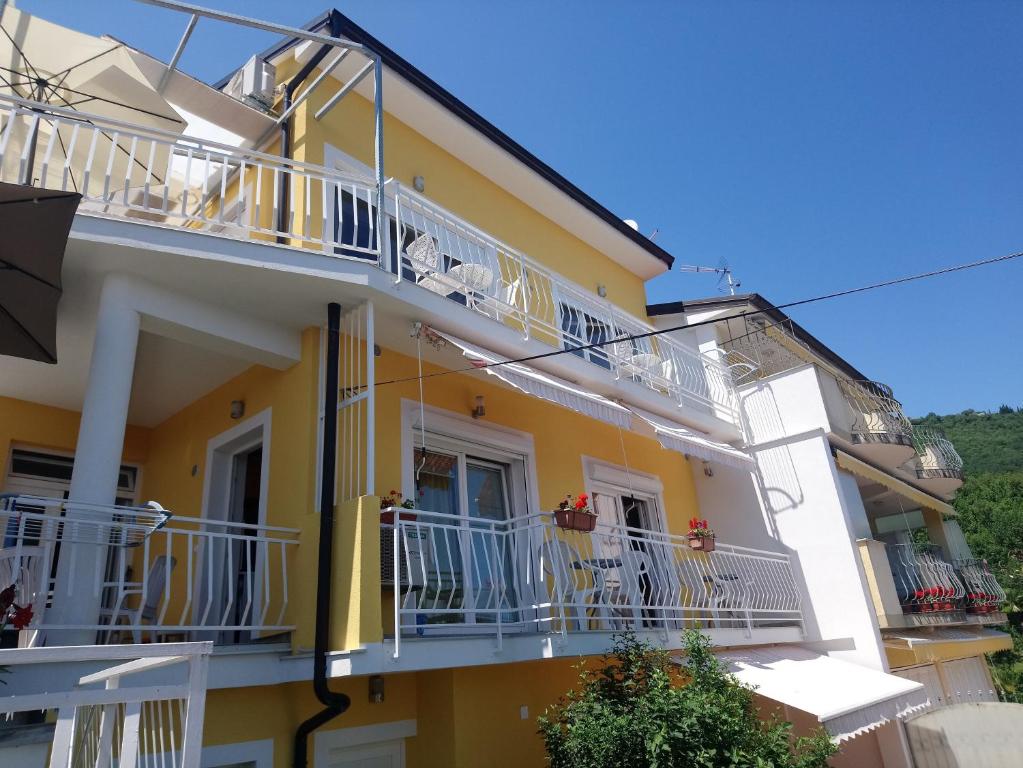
(723, 271)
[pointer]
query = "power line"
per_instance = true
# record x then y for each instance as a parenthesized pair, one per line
(658, 332)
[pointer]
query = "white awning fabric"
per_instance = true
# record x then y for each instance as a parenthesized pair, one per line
(544, 386)
(846, 699)
(675, 437)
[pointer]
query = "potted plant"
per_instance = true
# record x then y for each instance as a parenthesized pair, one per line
(700, 536)
(575, 514)
(393, 501)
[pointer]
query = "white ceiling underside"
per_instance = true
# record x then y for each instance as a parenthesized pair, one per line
(169, 374)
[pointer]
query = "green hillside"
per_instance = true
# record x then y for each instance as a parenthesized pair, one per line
(988, 442)
(990, 512)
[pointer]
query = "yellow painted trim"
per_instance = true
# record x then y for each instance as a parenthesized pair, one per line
(857, 467)
(901, 654)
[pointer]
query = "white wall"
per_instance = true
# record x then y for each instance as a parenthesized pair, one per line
(783, 405)
(804, 504)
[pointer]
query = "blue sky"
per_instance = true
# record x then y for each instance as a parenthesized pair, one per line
(814, 146)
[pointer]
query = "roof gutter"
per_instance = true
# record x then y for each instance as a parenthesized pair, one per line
(334, 703)
(284, 182)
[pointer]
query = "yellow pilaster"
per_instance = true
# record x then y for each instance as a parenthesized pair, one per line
(355, 611)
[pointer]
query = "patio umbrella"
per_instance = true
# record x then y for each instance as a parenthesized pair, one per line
(35, 223)
(90, 77)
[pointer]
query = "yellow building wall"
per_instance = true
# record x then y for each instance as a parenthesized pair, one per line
(45, 428)
(561, 437)
(465, 718)
(455, 186)
(180, 443)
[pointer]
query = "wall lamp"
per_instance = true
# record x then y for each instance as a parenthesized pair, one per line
(480, 409)
(237, 409)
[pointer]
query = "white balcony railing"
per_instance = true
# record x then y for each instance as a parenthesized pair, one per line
(877, 415)
(144, 174)
(153, 575)
(983, 592)
(451, 257)
(924, 580)
(937, 456)
(462, 575)
(147, 175)
(108, 718)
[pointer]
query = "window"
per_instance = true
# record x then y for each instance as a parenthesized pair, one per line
(580, 328)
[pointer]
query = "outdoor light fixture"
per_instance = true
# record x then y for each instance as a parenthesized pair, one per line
(708, 470)
(376, 689)
(237, 409)
(602, 290)
(419, 183)
(480, 409)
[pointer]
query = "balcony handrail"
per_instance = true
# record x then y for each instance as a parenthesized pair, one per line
(453, 573)
(40, 109)
(927, 438)
(516, 286)
(185, 575)
(875, 408)
(518, 521)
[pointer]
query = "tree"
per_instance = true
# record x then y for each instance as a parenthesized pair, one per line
(637, 711)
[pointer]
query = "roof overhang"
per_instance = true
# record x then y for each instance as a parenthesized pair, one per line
(437, 114)
(847, 699)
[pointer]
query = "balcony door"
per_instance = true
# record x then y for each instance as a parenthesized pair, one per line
(465, 551)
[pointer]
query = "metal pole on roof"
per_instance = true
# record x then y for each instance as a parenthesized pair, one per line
(245, 21)
(312, 86)
(177, 53)
(378, 119)
(346, 88)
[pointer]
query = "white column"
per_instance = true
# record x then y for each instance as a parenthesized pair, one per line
(77, 592)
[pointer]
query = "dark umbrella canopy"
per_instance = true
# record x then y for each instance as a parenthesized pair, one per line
(35, 224)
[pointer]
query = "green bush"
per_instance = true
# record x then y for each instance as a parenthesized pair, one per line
(637, 711)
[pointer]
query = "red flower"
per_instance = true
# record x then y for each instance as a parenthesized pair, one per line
(920, 593)
(22, 616)
(583, 497)
(6, 599)
(580, 503)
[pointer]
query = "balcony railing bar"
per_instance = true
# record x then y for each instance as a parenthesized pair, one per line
(464, 575)
(235, 574)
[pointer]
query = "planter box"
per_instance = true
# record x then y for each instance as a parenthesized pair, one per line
(575, 520)
(702, 543)
(387, 517)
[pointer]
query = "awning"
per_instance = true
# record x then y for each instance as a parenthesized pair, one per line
(910, 647)
(864, 470)
(544, 386)
(675, 437)
(846, 699)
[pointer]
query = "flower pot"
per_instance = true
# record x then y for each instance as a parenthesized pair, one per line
(926, 607)
(575, 520)
(387, 517)
(702, 543)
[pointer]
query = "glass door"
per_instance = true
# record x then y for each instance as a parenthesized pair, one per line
(492, 571)
(463, 554)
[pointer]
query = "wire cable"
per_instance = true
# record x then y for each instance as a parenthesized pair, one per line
(659, 332)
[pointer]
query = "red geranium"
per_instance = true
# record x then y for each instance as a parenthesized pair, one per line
(21, 616)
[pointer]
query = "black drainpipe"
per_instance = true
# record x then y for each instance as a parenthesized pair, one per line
(284, 182)
(334, 703)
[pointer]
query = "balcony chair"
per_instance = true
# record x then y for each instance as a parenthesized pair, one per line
(565, 567)
(149, 600)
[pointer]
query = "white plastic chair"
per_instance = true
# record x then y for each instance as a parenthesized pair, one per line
(563, 564)
(149, 598)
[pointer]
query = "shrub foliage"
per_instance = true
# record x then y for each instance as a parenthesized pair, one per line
(636, 710)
